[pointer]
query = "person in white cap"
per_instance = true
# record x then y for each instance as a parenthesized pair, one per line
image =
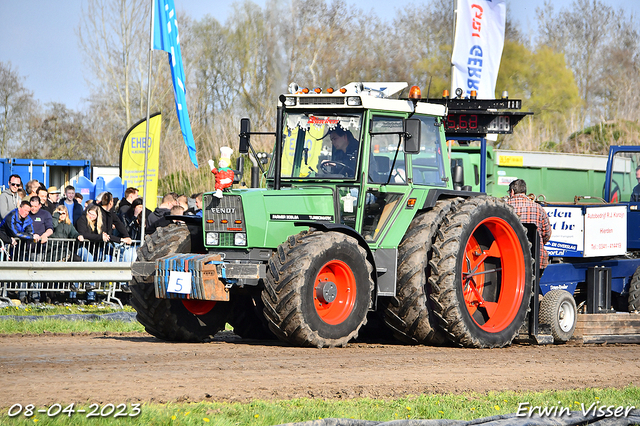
(224, 173)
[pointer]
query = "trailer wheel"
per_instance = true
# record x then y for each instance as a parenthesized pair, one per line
(481, 273)
(409, 314)
(634, 292)
(318, 289)
(558, 310)
(167, 319)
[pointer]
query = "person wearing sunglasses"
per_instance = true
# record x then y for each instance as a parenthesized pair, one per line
(66, 250)
(9, 199)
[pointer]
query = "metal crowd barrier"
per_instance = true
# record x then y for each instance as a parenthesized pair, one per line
(64, 265)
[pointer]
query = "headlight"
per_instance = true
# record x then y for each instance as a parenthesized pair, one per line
(240, 239)
(290, 101)
(212, 238)
(354, 101)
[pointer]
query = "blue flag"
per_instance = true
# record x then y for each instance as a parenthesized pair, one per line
(165, 37)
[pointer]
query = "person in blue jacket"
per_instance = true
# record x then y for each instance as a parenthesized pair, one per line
(19, 224)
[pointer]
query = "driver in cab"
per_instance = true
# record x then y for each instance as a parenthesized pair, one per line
(344, 153)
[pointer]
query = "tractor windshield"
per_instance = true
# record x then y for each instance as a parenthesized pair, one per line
(320, 145)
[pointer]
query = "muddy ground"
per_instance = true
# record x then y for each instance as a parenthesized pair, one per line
(118, 368)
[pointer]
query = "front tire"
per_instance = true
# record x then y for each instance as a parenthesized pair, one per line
(558, 310)
(171, 319)
(481, 276)
(318, 289)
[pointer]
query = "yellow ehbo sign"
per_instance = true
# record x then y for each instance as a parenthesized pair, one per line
(132, 157)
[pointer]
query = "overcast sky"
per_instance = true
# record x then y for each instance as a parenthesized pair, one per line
(37, 36)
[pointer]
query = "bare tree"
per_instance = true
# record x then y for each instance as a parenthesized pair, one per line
(592, 35)
(59, 132)
(113, 36)
(17, 106)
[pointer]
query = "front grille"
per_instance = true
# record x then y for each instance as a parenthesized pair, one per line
(228, 208)
(333, 100)
(226, 239)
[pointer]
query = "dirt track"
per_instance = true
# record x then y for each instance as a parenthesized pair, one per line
(137, 367)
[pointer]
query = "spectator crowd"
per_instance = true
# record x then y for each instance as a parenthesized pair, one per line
(103, 229)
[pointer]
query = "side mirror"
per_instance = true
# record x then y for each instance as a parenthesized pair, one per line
(412, 135)
(457, 174)
(238, 172)
(245, 129)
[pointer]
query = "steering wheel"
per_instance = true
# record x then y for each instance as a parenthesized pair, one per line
(614, 196)
(341, 168)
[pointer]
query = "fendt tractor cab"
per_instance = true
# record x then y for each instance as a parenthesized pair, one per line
(361, 213)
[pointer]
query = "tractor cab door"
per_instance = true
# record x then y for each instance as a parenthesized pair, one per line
(623, 186)
(385, 184)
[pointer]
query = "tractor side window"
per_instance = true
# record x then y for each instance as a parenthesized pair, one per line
(386, 159)
(428, 166)
(348, 204)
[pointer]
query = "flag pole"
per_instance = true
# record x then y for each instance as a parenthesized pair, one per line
(455, 22)
(146, 143)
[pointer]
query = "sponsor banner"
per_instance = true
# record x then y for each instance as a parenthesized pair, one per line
(132, 157)
(567, 231)
(477, 48)
(605, 231)
(511, 160)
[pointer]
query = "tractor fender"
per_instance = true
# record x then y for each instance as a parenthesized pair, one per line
(436, 194)
(347, 230)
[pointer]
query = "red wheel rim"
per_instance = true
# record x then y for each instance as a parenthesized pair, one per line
(339, 308)
(493, 275)
(198, 307)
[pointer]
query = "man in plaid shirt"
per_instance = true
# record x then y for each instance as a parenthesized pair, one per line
(531, 212)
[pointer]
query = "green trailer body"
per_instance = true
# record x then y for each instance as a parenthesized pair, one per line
(550, 176)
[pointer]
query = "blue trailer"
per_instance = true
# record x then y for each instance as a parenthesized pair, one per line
(595, 249)
(50, 172)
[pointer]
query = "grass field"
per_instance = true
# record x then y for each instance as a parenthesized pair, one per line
(459, 407)
(46, 324)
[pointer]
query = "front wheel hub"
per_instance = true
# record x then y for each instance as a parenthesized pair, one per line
(326, 291)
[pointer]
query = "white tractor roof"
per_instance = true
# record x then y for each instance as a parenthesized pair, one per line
(375, 88)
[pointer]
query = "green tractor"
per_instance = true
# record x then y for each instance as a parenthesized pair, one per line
(363, 215)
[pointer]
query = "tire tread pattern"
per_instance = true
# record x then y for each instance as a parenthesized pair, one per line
(409, 314)
(168, 319)
(442, 281)
(549, 314)
(634, 292)
(282, 295)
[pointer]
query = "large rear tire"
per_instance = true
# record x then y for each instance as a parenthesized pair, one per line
(634, 292)
(318, 289)
(409, 314)
(481, 277)
(170, 319)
